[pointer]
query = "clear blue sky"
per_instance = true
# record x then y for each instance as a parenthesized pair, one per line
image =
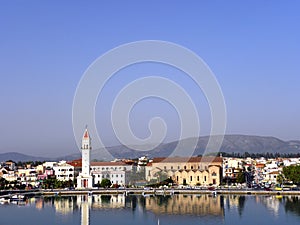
(253, 48)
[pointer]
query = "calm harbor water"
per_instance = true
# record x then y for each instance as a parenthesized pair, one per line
(131, 210)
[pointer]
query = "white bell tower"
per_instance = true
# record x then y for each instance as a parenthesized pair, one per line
(85, 180)
(86, 153)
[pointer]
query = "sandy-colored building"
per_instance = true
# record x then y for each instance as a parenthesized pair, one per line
(183, 170)
(196, 177)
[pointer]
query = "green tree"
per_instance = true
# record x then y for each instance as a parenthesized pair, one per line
(280, 179)
(105, 183)
(240, 177)
(292, 173)
(135, 176)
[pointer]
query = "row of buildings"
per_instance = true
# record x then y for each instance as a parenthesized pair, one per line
(192, 171)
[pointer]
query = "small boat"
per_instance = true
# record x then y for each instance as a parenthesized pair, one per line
(18, 197)
(213, 193)
(159, 192)
(146, 195)
(4, 200)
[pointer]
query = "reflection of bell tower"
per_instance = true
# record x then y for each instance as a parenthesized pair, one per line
(84, 202)
(85, 180)
(85, 213)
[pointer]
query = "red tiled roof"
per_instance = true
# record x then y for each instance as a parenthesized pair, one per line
(261, 165)
(187, 159)
(86, 134)
(274, 172)
(108, 164)
(78, 163)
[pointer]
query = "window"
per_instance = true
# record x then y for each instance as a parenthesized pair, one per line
(198, 178)
(214, 174)
(177, 178)
(192, 167)
(204, 178)
(178, 167)
(171, 167)
(165, 167)
(184, 167)
(191, 178)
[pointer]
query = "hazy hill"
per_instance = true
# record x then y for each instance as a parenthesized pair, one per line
(15, 156)
(232, 143)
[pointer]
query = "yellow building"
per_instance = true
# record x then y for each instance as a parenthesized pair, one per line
(183, 170)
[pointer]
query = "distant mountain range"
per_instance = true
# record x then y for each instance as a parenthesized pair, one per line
(15, 156)
(231, 143)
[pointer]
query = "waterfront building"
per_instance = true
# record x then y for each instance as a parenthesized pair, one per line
(197, 177)
(8, 174)
(63, 171)
(84, 179)
(10, 164)
(232, 167)
(117, 172)
(203, 170)
(271, 177)
(27, 176)
(92, 173)
(258, 172)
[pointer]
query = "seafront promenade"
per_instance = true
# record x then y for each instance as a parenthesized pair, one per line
(134, 191)
(147, 193)
(170, 192)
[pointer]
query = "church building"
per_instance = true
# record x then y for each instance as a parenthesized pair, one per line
(85, 179)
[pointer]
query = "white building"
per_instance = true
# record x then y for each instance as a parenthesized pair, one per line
(116, 172)
(63, 171)
(84, 179)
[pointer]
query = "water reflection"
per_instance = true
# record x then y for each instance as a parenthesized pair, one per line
(200, 205)
(235, 202)
(272, 203)
(216, 207)
(292, 204)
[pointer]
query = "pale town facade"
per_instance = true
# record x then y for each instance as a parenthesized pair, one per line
(187, 171)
